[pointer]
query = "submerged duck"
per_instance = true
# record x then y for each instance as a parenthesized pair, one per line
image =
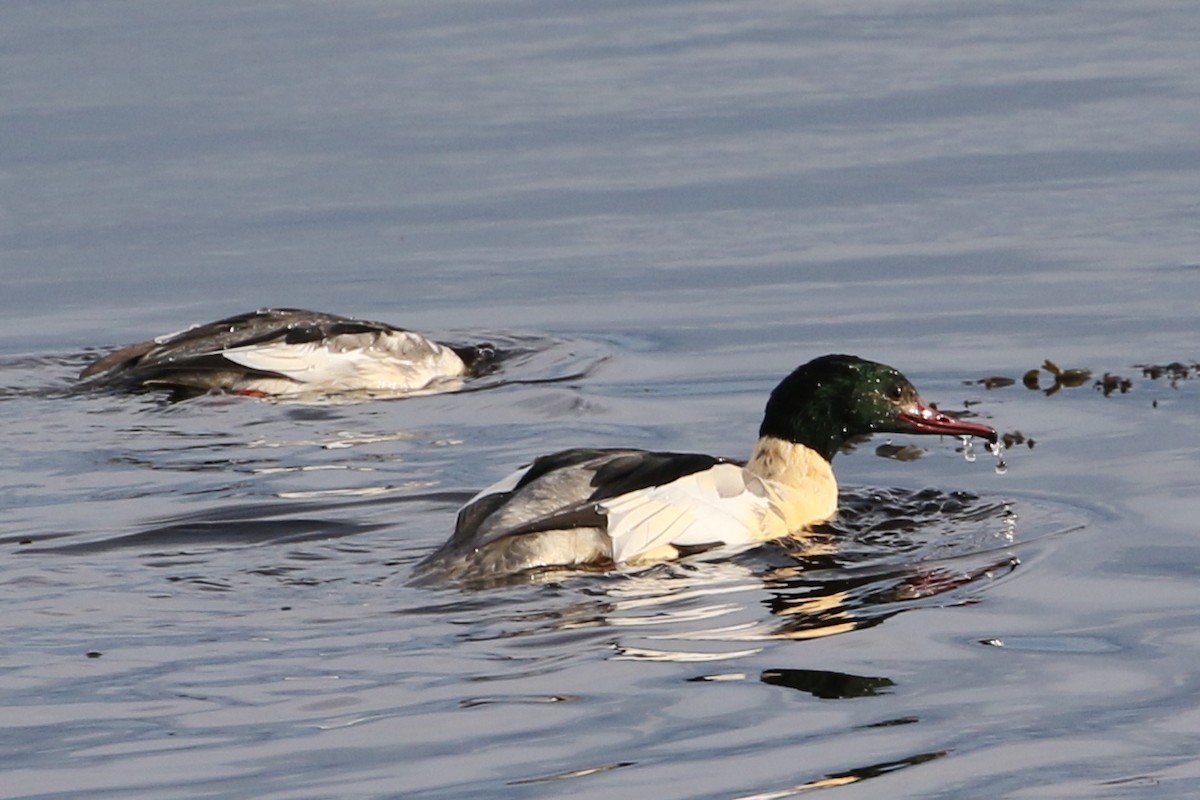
(288, 351)
(602, 507)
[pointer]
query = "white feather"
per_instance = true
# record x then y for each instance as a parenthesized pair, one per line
(401, 361)
(166, 337)
(505, 484)
(722, 504)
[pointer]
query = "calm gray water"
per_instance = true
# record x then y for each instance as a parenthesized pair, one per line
(671, 205)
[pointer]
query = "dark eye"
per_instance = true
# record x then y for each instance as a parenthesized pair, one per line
(896, 391)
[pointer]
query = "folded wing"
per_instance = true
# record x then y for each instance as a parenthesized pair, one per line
(719, 505)
(396, 360)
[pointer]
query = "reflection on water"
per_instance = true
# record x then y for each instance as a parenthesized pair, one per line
(574, 773)
(847, 777)
(821, 608)
(825, 684)
(889, 551)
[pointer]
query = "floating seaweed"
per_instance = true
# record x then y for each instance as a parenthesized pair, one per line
(899, 452)
(1069, 378)
(1174, 372)
(1063, 378)
(1113, 383)
(1016, 437)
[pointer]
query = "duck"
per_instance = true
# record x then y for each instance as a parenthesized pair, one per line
(605, 508)
(282, 352)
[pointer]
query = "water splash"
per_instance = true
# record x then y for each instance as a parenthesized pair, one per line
(997, 450)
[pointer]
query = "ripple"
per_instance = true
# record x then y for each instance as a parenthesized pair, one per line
(847, 777)
(240, 525)
(39, 375)
(888, 552)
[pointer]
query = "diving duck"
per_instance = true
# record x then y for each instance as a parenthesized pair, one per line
(287, 352)
(589, 507)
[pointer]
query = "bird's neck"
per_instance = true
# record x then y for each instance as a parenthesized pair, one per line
(788, 463)
(804, 476)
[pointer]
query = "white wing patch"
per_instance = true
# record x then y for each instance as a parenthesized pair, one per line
(167, 337)
(399, 361)
(721, 504)
(505, 484)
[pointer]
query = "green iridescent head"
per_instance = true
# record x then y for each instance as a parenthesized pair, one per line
(833, 398)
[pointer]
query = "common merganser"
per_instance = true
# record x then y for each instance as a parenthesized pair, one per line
(603, 507)
(288, 351)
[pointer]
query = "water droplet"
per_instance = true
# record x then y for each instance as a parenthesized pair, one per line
(968, 448)
(997, 450)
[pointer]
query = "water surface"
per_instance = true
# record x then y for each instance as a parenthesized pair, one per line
(672, 204)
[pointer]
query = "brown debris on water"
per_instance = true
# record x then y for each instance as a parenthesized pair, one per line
(1067, 377)
(1112, 383)
(1016, 437)
(1174, 372)
(1108, 384)
(1063, 378)
(899, 452)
